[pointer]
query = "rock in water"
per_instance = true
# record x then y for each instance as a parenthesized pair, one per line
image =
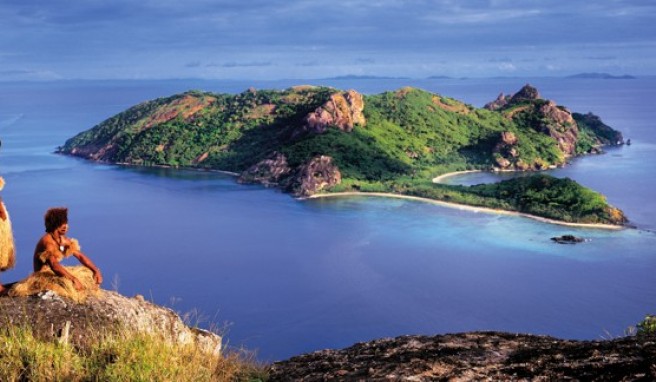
(568, 239)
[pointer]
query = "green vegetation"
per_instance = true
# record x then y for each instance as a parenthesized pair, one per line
(132, 358)
(409, 137)
(647, 326)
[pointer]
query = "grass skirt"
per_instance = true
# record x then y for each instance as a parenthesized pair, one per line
(46, 279)
(7, 252)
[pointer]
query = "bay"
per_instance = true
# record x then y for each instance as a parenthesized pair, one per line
(282, 276)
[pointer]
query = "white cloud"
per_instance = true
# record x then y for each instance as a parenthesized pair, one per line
(507, 67)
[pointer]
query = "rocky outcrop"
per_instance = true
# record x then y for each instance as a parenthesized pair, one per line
(342, 110)
(558, 123)
(526, 93)
(314, 176)
(604, 134)
(506, 154)
(108, 313)
(501, 101)
(269, 171)
(481, 356)
(544, 116)
(184, 107)
(318, 174)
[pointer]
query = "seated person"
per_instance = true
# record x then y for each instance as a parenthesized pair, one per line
(49, 274)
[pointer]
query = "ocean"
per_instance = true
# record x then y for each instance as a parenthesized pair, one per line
(281, 277)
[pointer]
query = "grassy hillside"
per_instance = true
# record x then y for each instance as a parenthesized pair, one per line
(29, 357)
(395, 141)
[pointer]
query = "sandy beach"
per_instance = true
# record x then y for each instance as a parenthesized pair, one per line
(467, 208)
(441, 178)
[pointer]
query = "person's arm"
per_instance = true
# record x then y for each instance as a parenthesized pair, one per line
(62, 272)
(97, 276)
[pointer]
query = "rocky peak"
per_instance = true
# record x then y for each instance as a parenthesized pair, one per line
(342, 110)
(501, 101)
(527, 93)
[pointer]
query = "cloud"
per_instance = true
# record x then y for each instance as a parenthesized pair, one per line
(501, 59)
(309, 64)
(29, 74)
(601, 58)
(246, 64)
(507, 67)
(167, 38)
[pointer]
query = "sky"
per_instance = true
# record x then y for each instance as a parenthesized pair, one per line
(288, 39)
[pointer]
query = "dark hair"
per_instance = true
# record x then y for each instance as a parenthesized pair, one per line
(55, 217)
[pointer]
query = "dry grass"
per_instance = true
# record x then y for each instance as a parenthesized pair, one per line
(117, 358)
(7, 251)
(47, 280)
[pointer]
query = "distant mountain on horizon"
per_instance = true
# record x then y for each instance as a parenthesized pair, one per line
(439, 78)
(602, 76)
(364, 77)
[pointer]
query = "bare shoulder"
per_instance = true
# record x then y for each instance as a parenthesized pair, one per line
(46, 242)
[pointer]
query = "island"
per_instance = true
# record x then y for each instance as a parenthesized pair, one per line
(311, 140)
(601, 76)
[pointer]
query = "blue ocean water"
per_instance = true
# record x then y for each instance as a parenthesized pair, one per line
(283, 277)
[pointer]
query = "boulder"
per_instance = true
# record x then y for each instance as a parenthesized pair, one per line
(268, 171)
(316, 175)
(107, 313)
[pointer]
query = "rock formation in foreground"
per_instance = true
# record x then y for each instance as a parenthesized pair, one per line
(478, 356)
(109, 313)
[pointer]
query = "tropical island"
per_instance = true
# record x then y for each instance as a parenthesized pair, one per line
(311, 141)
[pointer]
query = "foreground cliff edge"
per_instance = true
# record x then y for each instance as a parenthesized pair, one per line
(477, 356)
(105, 314)
(47, 337)
(310, 140)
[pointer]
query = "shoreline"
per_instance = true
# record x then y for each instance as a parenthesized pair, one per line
(468, 208)
(437, 179)
(440, 178)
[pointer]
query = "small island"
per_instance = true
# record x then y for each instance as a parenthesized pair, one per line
(309, 141)
(601, 76)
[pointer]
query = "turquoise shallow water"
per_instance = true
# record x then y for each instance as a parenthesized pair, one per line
(286, 276)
